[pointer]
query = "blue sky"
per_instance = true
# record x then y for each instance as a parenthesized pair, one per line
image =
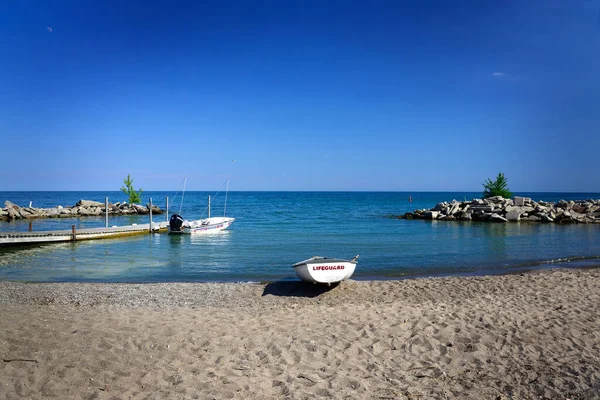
(308, 95)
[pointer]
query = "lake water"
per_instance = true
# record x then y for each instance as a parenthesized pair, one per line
(274, 230)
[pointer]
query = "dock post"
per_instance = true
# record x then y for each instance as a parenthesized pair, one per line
(150, 208)
(74, 232)
(106, 212)
(167, 209)
(30, 226)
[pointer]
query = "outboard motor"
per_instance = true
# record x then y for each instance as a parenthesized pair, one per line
(176, 223)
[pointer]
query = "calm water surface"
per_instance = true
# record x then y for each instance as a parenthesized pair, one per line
(273, 230)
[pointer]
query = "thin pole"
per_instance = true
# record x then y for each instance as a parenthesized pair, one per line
(74, 232)
(208, 206)
(226, 191)
(106, 211)
(182, 194)
(30, 226)
(167, 209)
(150, 206)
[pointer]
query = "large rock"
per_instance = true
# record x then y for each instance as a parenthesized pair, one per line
(454, 207)
(495, 218)
(83, 211)
(495, 199)
(11, 205)
(464, 215)
(578, 216)
(519, 209)
(51, 212)
(546, 218)
(514, 214)
(482, 208)
(13, 213)
(140, 209)
(95, 211)
(431, 214)
(89, 203)
(156, 210)
(440, 206)
(28, 213)
(520, 201)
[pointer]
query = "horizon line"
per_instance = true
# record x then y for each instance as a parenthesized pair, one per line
(313, 191)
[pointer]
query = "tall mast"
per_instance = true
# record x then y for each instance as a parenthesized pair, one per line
(182, 194)
(226, 191)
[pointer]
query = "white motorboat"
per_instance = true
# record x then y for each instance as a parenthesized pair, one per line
(177, 225)
(325, 270)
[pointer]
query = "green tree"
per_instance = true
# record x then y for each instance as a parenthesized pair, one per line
(497, 188)
(134, 197)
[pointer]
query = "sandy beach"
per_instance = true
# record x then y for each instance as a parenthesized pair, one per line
(523, 336)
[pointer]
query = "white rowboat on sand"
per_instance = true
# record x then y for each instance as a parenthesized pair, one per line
(325, 270)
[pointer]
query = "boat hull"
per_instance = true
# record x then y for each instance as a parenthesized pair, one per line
(325, 270)
(204, 226)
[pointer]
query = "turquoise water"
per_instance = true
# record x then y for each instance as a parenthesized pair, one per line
(273, 230)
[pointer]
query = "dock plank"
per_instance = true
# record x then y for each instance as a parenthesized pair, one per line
(39, 237)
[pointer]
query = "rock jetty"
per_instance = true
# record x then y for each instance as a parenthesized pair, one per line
(83, 208)
(499, 209)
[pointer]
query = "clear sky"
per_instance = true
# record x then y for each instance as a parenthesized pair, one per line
(300, 95)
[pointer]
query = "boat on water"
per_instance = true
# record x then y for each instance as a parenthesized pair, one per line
(178, 225)
(325, 270)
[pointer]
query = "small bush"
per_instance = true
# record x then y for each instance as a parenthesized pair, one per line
(498, 187)
(134, 197)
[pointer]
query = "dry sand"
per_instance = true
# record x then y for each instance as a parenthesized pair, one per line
(523, 336)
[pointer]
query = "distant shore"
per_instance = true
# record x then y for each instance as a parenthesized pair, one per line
(525, 335)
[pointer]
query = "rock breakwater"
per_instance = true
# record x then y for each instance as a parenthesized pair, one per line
(83, 208)
(499, 209)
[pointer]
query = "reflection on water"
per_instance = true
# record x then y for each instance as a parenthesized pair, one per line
(220, 238)
(194, 256)
(208, 240)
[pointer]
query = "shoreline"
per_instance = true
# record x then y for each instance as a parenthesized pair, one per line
(235, 294)
(568, 262)
(524, 335)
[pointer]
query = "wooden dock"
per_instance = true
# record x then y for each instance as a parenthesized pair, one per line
(73, 235)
